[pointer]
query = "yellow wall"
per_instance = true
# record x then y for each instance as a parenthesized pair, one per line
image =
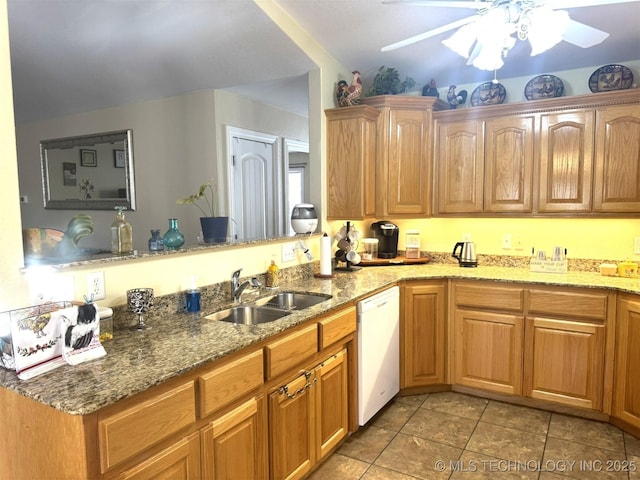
(603, 239)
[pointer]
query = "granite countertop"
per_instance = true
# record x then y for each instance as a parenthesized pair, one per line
(178, 343)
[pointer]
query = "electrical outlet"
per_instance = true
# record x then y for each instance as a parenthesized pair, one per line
(466, 237)
(636, 245)
(288, 252)
(518, 244)
(95, 285)
(506, 241)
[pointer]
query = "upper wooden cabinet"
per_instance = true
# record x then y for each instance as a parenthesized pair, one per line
(460, 167)
(508, 171)
(617, 169)
(351, 153)
(566, 161)
(379, 157)
(485, 165)
(403, 161)
(576, 155)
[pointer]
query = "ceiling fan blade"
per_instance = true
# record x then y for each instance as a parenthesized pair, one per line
(584, 3)
(583, 35)
(430, 33)
(444, 4)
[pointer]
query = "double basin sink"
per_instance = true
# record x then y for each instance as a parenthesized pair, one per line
(269, 308)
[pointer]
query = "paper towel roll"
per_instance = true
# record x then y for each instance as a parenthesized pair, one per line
(325, 255)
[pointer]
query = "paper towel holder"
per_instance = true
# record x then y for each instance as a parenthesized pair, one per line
(324, 275)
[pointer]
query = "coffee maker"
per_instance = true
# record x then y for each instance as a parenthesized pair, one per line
(387, 235)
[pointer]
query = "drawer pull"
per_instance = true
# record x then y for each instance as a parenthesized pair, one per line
(285, 389)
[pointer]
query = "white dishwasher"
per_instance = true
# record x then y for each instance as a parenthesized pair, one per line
(378, 351)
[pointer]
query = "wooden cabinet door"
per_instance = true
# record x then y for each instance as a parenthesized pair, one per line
(626, 394)
(292, 428)
(234, 445)
(566, 161)
(617, 167)
(351, 158)
(488, 351)
(422, 334)
(460, 167)
(180, 461)
(508, 168)
(564, 362)
(405, 176)
(332, 402)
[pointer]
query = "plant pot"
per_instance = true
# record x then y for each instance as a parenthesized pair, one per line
(214, 229)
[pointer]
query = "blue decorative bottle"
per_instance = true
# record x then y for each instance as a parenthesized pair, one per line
(155, 242)
(174, 238)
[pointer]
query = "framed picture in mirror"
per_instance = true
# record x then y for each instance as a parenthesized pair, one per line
(118, 158)
(88, 157)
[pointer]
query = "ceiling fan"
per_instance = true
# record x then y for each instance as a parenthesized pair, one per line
(486, 37)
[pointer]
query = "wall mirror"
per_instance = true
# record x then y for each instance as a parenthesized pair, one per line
(88, 172)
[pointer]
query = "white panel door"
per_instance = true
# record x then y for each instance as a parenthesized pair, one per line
(257, 189)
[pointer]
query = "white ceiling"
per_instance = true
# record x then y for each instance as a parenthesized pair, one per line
(70, 55)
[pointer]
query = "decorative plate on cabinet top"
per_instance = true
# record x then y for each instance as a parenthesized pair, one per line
(488, 93)
(610, 77)
(543, 86)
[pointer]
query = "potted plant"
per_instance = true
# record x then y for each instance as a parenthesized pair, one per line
(214, 228)
(387, 82)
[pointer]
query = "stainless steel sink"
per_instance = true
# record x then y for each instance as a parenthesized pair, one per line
(248, 315)
(268, 309)
(293, 300)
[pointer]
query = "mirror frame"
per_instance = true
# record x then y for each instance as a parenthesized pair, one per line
(125, 136)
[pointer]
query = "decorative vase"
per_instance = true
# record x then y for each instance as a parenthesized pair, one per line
(214, 229)
(174, 238)
(156, 243)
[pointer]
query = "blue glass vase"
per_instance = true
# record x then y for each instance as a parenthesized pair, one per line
(174, 238)
(156, 243)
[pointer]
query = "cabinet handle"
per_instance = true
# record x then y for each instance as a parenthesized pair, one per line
(285, 389)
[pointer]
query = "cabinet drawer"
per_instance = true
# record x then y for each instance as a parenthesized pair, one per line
(491, 297)
(287, 352)
(225, 384)
(337, 326)
(134, 429)
(591, 305)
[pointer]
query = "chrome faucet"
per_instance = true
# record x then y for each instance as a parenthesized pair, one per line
(237, 288)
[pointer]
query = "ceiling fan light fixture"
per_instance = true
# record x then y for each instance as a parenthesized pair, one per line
(462, 40)
(546, 28)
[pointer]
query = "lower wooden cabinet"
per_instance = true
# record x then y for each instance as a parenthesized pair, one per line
(564, 362)
(234, 444)
(626, 395)
(422, 334)
(544, 343)
(180, 461)
(307, 418)
(488, 351)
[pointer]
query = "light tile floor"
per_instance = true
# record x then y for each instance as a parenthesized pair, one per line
(452, 435)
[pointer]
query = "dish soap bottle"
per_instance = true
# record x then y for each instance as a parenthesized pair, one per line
(121, 234)
(272, 275)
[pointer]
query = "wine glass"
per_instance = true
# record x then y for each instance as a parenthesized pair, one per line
(140, 300)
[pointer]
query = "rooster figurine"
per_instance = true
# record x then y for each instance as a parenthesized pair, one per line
(430, 90)
(454, 98)
(348, 95)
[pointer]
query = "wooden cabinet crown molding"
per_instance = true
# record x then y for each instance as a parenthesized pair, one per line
(410, 102)
(560, 104)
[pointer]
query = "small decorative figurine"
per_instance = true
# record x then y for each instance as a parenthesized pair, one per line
(430, 90)
(454, 98)
(348, 95)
